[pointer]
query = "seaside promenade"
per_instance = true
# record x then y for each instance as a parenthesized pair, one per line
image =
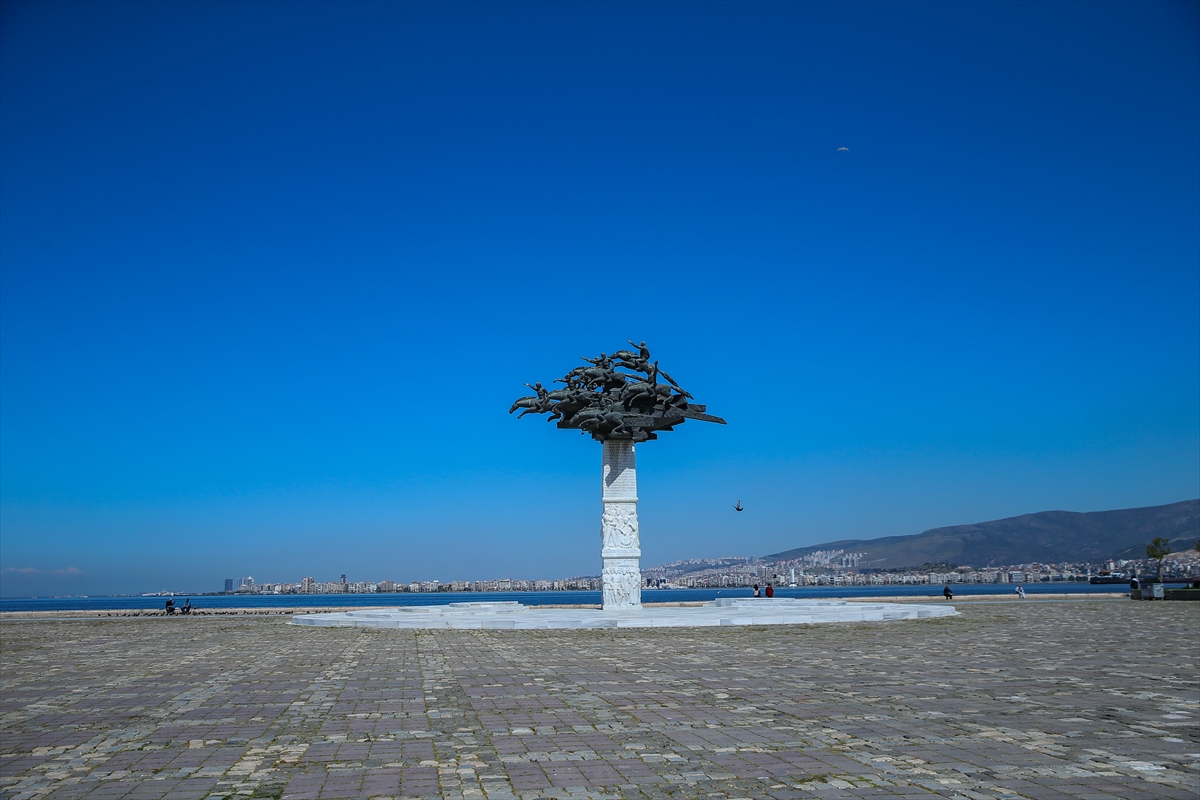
(1090, 698)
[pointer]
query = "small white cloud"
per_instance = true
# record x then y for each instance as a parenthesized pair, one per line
(68, 572)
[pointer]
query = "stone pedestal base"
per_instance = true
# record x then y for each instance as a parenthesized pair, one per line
(619, 541)
(723, 612)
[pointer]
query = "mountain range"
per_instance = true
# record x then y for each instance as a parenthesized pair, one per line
(1047, 537)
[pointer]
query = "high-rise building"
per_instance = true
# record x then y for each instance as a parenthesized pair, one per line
(229, 584)
(343, 578)
(308, 585)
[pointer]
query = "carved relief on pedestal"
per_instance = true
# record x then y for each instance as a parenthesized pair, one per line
(622, 583)
(619, 526)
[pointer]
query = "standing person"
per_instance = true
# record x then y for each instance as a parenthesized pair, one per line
(1021, 591)
(770, 590)
(949, 595)
(757, 593)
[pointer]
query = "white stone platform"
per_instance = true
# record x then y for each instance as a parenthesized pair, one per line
(724, 611)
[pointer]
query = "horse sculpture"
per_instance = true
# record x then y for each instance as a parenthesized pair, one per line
(615, 396)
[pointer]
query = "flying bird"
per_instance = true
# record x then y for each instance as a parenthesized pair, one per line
(738, 507)
(843, 149)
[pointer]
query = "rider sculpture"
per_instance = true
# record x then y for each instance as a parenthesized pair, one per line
(615, 396)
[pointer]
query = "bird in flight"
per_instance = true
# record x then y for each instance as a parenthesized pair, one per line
(843, 149)
(738, 507)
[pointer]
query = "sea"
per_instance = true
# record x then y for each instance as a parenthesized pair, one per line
(123, 602)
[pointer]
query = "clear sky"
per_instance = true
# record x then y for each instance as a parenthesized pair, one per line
(271, 275)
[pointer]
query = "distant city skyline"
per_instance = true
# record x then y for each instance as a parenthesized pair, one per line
(827, 568)
(814, 569)
(272, 274)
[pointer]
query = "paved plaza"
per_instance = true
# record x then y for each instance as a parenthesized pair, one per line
(1036, 699)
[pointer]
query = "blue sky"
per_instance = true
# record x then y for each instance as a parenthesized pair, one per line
(271, 275)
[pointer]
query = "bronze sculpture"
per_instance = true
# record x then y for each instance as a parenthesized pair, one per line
(616, 397)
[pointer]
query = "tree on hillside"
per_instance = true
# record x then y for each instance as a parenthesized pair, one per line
(1158, 550)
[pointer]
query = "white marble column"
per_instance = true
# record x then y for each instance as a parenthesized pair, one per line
(620, 547)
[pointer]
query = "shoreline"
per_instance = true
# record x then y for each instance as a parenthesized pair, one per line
(991, 598)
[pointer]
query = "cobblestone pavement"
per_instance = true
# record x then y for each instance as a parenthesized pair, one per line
(1092, 699)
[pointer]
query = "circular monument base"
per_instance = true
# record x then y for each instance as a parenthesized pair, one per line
(723, 612)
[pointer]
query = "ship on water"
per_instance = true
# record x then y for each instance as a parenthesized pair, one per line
(1111, 577)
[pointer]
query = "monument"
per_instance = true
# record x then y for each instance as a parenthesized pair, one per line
(619, 401)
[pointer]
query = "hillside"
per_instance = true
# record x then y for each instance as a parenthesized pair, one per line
(1046, 537)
